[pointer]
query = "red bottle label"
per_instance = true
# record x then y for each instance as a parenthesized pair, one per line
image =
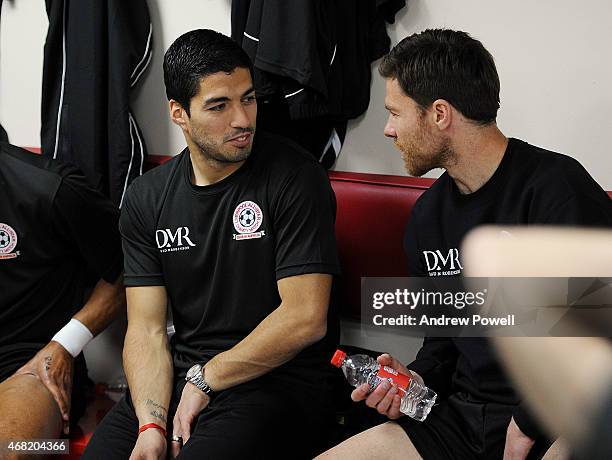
(401, 380)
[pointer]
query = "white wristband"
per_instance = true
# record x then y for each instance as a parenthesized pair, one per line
(73, 337)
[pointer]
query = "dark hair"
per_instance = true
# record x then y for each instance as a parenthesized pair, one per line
(195, 55)
(446, 64)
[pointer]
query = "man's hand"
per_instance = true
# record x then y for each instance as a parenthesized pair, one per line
(150, 445)
(193, 401)
(384, 398)
(53, 367)
(518, 444)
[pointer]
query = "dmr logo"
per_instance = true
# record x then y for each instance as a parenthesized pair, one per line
(169, 241)
(439, 264)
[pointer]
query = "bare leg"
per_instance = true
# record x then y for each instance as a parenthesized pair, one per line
(385, 442)
(27, 411)
(558, 451)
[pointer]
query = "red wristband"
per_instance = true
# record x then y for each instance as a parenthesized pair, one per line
(152, 425)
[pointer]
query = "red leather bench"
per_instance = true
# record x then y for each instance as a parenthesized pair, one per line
(372, 211)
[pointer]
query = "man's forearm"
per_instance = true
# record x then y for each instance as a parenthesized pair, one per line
(104, 304)
(148, 367)
(276, 340)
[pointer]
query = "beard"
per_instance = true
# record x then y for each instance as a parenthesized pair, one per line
(422, 154)
(220, 151)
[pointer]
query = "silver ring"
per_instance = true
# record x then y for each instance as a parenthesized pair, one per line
(176, 438)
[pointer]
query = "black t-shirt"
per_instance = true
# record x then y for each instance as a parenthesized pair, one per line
(530, 186)
(220, 249)
(56, 237)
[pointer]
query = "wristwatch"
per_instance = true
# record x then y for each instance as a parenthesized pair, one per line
(195, 375)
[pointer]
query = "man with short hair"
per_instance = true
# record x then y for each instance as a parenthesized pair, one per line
(58, 238)
(235, 238)
(442, 94)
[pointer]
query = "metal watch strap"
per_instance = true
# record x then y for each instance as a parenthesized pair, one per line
(200, 383)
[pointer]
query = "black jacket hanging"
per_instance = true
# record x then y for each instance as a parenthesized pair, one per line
(95, 52)
(312, 61)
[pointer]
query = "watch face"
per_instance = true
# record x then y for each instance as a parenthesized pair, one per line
(193, 371)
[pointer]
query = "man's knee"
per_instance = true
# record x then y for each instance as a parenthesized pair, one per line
(28, 409)
(386, 441)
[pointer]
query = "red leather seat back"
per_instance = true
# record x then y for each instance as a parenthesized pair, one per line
(370, 221)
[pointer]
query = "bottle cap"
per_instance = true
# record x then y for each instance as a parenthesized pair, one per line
(338, 357)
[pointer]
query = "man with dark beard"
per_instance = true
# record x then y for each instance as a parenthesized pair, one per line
(442, 97)
(235, 238)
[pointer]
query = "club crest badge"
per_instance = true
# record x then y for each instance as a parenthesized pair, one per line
(247, 218)
(8, 242)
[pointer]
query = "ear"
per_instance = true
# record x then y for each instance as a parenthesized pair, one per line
(178, 115)
(442, 114)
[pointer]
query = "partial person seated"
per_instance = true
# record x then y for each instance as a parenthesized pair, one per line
(235, 237)
(58, 239)
(566, 380)
(442, 114)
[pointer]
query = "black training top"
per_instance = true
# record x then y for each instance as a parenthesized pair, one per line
(56, 236)
(220, 249)
(530, 186)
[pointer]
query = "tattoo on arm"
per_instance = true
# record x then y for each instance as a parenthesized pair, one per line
(158, 411)
(48, 360)
(157, 414)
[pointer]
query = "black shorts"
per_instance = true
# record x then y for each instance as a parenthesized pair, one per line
(264, 418)
(13, 357)
(460, 428)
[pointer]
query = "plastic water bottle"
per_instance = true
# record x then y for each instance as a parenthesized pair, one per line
(416, 399)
